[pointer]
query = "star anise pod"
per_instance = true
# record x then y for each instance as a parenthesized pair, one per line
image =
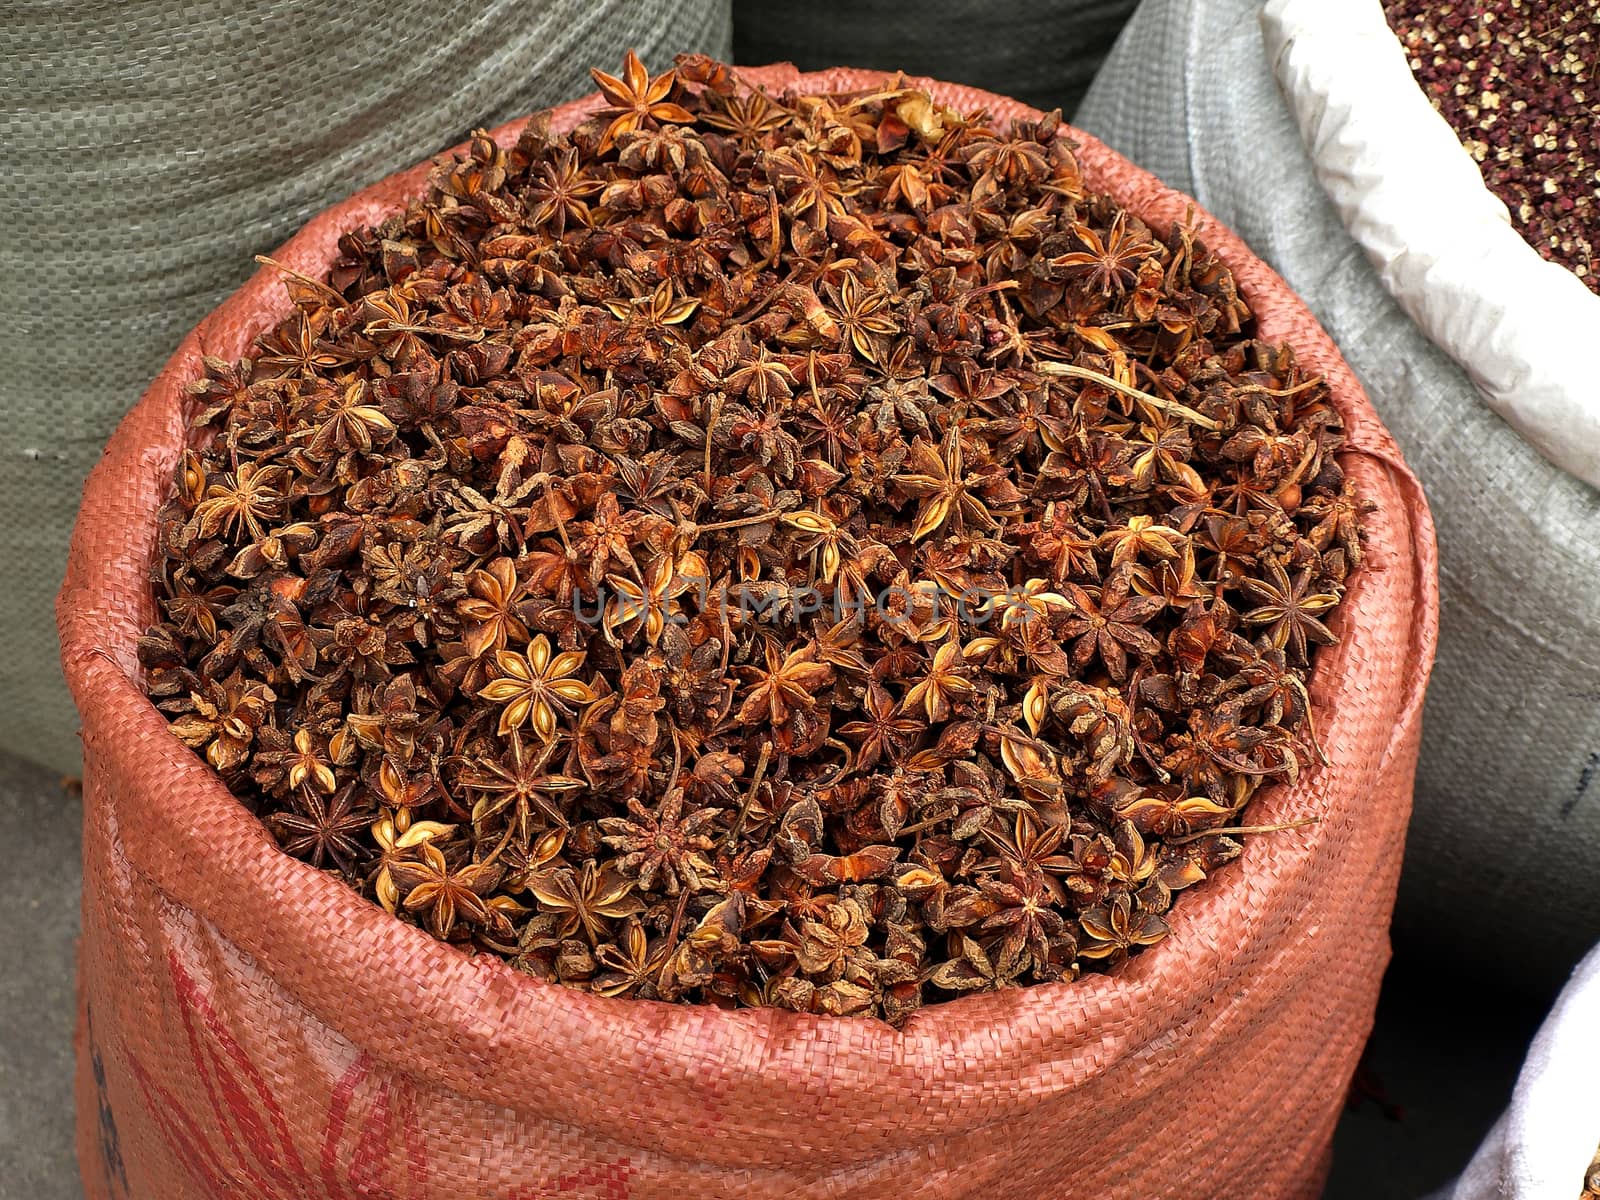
(1290, 610)
(945, 491)
(587, 899)
(636, 99)
(760, 549)
(1115, 930)
(537, 688)
(324, 829)
(1108, 263)
(667, 845)
(1110, 624)
(429, 886)
(631, 964)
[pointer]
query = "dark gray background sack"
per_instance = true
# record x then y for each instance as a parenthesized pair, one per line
(1042, 52)
(1503, 860)
(153, 147)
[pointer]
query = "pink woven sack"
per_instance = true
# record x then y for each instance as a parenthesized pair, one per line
(251, 1028)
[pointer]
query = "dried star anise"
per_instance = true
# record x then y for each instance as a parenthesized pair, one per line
(787, 550)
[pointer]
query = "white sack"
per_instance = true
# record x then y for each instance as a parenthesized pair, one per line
(1541, 1147)
(1442, 243)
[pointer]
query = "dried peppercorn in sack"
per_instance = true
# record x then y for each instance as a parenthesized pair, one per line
(1537, 64)
(320, 1046)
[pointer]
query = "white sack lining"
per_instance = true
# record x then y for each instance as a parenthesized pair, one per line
(1523, 329)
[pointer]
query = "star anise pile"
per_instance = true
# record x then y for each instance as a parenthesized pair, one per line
(798, 550)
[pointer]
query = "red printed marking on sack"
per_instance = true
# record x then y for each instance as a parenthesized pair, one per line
(376, 1132)
(607, 1181)
(245, 1144)
(222, 1066)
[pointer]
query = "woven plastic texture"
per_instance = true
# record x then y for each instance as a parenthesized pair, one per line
(1506, 833)
(153, 146)
(249, 1027)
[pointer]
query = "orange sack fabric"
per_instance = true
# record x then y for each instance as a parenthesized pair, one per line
(249, 1027)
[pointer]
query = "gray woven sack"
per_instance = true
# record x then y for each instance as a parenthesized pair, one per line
(1503, 857)
(1042, 52)
(154, 147)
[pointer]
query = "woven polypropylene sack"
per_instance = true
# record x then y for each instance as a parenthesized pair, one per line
(1042, 52)
(152, 147)
(1503, 845)
(1542, 1147)
(249, 1026)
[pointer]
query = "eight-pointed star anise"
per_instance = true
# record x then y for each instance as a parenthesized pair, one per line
(760, 549)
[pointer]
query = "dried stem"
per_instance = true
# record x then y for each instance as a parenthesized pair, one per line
(1073, 371)
(1242, 829)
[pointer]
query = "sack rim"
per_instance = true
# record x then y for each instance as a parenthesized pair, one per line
(491, 1016)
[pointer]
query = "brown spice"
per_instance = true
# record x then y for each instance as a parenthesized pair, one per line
(1517, 81)
(760, 550)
